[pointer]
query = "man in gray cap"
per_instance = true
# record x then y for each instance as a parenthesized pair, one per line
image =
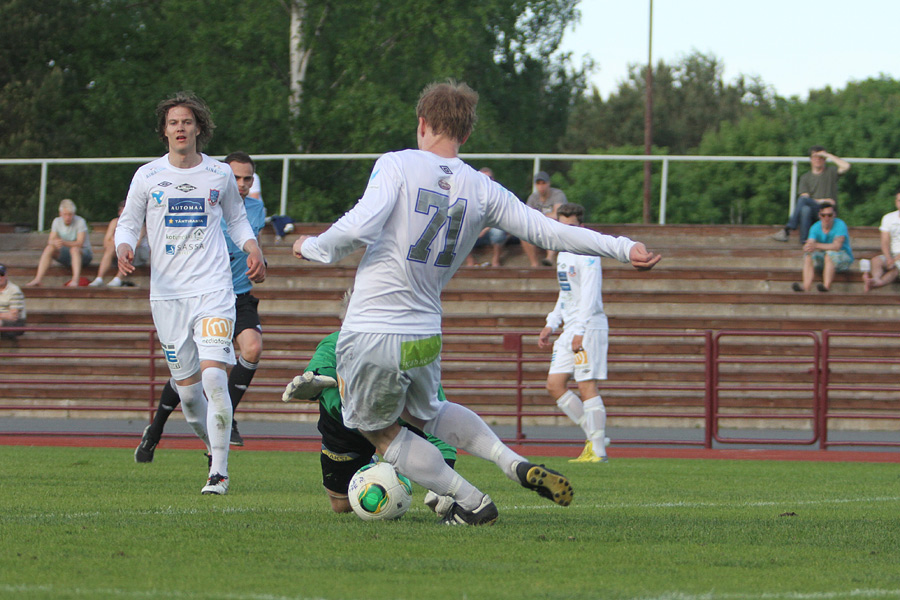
(545, 199)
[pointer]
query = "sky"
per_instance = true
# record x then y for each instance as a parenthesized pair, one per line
(793, 45)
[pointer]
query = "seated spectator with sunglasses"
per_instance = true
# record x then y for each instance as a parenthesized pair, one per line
(827, 249)
(12, 306)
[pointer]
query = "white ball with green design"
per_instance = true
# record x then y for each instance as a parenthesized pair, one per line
(377, 492)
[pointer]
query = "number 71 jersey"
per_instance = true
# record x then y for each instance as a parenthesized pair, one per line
(419, 218)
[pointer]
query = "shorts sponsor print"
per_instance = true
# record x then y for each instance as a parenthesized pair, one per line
(195, 329)
(216, 331)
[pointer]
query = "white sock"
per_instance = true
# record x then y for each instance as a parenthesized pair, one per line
(595, 424)
(115, 281)
(423, 463)
(193, 406)
(218, 420)
(97, 280)
(571, 405)
(460, 427)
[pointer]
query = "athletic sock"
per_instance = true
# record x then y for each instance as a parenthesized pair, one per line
(218, 420)
(193, 405)
(571, 405)
(239, 380)
(422, 462)
(460, 427)
(168, 401)
(595, 424)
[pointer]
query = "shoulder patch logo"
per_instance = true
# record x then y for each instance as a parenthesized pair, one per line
(444, 184)
(446, 170)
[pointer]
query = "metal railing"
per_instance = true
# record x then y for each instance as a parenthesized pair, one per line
(535, 159)
(777, 376)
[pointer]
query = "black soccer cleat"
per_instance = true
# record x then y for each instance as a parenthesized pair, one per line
(546, 482)
(236, 439)
(485, 514)
(144, 452)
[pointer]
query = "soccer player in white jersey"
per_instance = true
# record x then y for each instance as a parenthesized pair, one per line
(582, 347)
(184, 196)
(419, 217)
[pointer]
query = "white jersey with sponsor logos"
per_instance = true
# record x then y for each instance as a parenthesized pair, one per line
(184, 209)
(580, 302)
(420, 216)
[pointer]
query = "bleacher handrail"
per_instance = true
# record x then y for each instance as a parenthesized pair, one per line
(820, 362)
(535, 158)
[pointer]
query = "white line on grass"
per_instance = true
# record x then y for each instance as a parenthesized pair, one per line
(243, 510)
(717, 504)
(778, 595)
(176, 594)
(117, 593)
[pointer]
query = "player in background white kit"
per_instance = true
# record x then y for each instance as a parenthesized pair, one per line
(183, 196)
(581, 349)
(419, 217)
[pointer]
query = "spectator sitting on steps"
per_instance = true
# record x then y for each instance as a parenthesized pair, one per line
(884, 266)
(827, 250)
(12, 306)
(817, 188)
(69, 244)
(141, 254)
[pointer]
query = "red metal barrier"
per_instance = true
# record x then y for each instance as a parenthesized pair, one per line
(712, 372)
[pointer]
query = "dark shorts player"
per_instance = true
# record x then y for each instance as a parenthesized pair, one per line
(345, 451)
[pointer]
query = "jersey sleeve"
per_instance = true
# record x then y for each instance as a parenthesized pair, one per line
(589, 293)
(555, 316)
(511, 215)
(234, 215)
(128, 229)
(362, 224)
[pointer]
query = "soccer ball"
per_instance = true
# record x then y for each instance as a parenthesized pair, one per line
(377, 492)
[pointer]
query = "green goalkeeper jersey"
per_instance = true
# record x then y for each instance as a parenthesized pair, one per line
(324, 362)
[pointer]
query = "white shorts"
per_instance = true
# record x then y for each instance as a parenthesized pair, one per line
(194, 329)
(586, 365)
(380, 374)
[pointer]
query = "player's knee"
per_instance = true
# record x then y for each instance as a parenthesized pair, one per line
(250, 347)
(340, 504)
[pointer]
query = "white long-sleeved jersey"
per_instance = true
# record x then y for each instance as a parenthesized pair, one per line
(420, 216)
(580, 302)
(184, 209)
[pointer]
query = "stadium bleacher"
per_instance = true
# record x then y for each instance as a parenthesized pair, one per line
(711, 279)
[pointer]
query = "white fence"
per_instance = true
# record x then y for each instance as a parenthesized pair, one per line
(536, 159)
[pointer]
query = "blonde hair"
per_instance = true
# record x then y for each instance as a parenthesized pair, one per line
(66, 205)
(449, 109)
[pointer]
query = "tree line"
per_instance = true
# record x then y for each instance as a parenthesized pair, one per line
(81, 78)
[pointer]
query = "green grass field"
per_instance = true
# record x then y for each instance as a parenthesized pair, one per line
(90, 523)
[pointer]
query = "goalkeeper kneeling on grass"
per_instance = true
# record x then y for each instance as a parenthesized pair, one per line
(345, 450)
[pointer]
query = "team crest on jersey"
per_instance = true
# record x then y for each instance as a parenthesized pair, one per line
(159, 196)
(444, 184)
(213, 197)
(446, 170)
(185, 187)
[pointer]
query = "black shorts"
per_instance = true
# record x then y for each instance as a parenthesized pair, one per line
(246, 313)
(344, 452)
